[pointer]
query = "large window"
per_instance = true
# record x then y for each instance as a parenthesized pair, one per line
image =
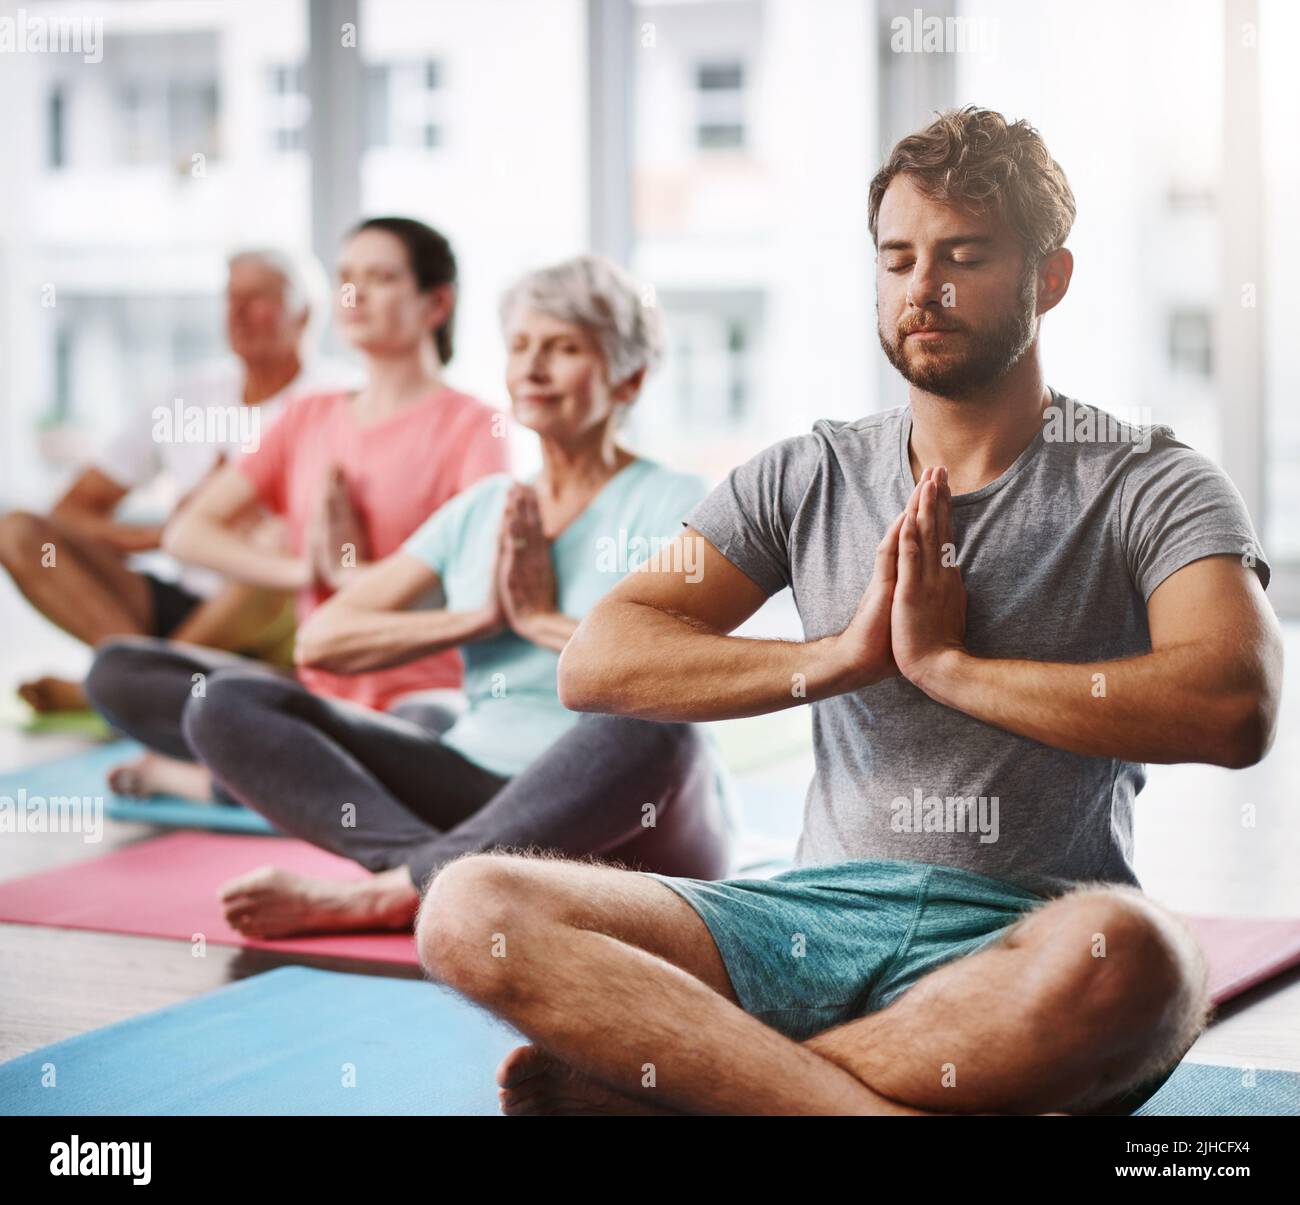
(405, 104)
(720, 102)
(181, 143)
(475, 120)
(1279, 32)
(287, 107)
(750, 131)
(721, 148)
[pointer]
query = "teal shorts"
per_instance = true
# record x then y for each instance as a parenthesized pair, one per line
(817, 946)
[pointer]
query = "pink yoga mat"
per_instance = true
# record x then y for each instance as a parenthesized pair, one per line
(167, 887)
(1244, 953)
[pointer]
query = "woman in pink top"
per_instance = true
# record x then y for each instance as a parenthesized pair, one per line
(353, 475)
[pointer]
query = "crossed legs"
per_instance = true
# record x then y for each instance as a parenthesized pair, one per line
(83, 587)
(86, 588)
(618, 983)
(396, 799)
(143, 686)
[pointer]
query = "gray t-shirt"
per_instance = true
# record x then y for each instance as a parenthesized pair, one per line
(1058, 555)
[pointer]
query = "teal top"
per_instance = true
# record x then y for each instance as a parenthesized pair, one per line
(514, 711)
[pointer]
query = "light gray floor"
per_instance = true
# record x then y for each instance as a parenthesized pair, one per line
(1195, 853)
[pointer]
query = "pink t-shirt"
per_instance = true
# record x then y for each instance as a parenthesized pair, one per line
(399, 471)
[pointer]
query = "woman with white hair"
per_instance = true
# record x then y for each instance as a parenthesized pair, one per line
(514, 567)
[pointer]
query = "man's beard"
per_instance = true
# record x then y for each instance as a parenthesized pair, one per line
(987, 355)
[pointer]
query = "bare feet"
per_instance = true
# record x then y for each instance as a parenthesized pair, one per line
(154, 774)
(535, 1083)
(270, 903)
(53, 694)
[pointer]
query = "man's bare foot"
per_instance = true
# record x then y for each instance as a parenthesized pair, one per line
(53, 694)
(535, 1083)
(154, 774)
(269, 903)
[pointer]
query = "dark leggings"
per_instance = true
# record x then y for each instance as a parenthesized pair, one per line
(385, 791)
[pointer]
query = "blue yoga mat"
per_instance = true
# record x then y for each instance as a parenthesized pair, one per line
(85, 773)
(284, 1042)
(1208, 1090)
(290, 1040)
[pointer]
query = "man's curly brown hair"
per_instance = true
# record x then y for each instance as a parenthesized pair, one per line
(975, 159)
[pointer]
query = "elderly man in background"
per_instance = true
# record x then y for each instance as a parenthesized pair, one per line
(89, 586)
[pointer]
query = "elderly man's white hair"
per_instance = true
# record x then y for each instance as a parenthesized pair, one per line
(306, 286)
(596, 293)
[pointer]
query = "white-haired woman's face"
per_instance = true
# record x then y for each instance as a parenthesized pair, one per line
(555, 372)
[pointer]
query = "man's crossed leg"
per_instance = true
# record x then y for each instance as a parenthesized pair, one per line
(618, 982)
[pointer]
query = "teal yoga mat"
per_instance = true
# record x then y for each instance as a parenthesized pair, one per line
(1208, 1090)
(84, 775)
(290, 1041)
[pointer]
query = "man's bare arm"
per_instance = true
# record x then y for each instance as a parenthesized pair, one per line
(1207, 692)
(657, 646)
(86, 509)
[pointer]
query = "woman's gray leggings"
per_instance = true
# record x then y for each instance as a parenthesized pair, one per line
(385, 791)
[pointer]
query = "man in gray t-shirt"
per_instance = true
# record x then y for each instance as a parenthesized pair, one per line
(1010, 603)
(1058, 555)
